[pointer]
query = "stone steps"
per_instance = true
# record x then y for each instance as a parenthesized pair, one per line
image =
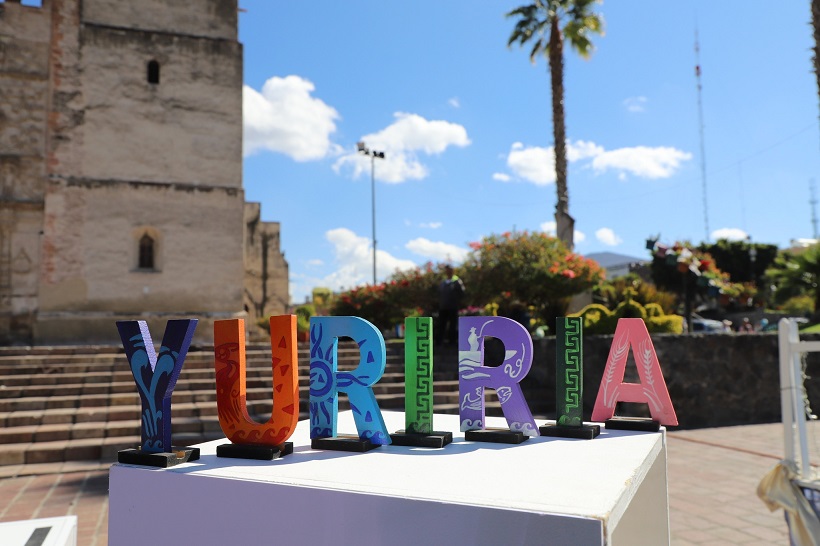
(72, 404)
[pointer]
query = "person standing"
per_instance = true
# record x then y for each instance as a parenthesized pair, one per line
(450, 295)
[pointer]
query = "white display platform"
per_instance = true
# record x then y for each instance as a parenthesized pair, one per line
(610, 490)
(43, 532)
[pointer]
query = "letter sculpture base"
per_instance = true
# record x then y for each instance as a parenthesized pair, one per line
(435, 439)
(178, 455)
(582, 432)
(343, 443)
(496, 436)
(254, 451)
(633, 423)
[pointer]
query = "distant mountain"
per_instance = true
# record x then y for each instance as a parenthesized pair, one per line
(616, 264)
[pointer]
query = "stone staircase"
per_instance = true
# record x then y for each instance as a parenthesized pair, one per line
(62, 404)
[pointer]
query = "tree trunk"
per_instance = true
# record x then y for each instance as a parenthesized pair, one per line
(565, 225)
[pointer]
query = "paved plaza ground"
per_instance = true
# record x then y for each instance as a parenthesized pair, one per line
(713, 475)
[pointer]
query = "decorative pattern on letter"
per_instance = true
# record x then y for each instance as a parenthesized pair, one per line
(632, 332)
(569, 370)
(418, 375)
(474, 377)
(231, 393)
(326, 382)
(156, 375)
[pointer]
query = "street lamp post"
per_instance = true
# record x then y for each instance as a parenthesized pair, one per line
(373, 155)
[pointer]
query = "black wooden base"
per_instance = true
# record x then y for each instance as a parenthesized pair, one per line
(496, 436)
(582, 432)
(178, 455)
(343, 443)
(633, 423)
(254, 451)
(435, 439)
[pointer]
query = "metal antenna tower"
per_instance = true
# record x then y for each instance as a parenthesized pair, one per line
(813, 202)
(702, 146)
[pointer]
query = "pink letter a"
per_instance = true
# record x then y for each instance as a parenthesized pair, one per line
(632, 332)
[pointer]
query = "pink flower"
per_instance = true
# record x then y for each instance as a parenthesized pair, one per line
(568, 273)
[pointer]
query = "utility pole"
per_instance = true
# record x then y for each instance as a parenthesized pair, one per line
(373, 155)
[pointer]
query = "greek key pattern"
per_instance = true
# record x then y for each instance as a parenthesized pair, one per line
(569, 371)
(418, 370)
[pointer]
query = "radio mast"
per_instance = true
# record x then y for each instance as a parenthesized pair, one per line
(702, 145)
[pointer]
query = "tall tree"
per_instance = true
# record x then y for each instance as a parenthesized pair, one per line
(548, 23)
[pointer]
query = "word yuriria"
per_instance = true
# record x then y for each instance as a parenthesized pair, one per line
(156, 376)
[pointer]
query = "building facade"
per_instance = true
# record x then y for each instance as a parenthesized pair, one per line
(121, 171)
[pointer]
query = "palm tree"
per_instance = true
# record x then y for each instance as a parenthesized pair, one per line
(573, 21)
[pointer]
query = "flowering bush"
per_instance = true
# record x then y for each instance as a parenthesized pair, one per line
(413, 292)
(527, 269)
(672, 266)
(509, 275)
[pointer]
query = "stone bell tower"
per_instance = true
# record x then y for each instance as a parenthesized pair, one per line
(120, 167)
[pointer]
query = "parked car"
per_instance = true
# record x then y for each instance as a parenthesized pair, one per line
(706, 326)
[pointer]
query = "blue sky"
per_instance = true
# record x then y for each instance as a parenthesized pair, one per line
(466, 127)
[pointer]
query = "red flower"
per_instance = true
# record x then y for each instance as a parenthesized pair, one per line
(568, 273)
(475, 245)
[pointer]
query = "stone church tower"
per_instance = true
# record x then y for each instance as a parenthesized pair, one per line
(121, 172)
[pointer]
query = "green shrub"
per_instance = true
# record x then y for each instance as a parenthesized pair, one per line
(799, 305)
(667, 324)
(600, 320)
(303, 314)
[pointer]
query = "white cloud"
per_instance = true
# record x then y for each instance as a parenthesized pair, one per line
(315, 263)
(285, 118)
(607, 236)
(431, 225)
(454, 102)
(730, 234)
(402, 142)
(582, 149)
(501, 177)
(550, 229)
(642, 161)
(437, 250)
(534, 164)
(537, 165)
(354, 260)
(635, 104)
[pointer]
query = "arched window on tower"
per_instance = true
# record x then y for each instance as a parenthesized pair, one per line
(153, 72)
(146, 258)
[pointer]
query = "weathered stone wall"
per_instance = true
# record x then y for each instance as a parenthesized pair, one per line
(187, 128)
(207, 18)
(266, 271)
(24, 61)
(713, 380)
(90, 263)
